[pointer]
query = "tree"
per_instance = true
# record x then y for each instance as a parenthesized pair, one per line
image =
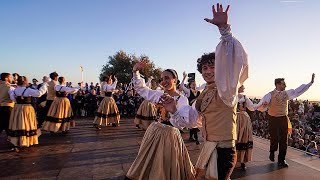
(121, 65)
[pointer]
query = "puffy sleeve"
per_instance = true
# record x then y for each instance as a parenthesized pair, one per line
(186, 116)
(11, 94)
(35, 92)
(70, 90)
(249, 104)
(114, 85)
(144, 91)
(265, 100)
(186, 91)
(294, 93)
(200, 88)
(231, 67)
(148, 84)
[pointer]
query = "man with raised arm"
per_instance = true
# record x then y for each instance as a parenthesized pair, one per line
(224, 72)
(276, 102)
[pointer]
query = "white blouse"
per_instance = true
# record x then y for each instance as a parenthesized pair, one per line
(249, 103)
(231, 70)
(154, 95)
(29, 92)
(292, 93)
(63, 88)
(187, 92)
(110, 88)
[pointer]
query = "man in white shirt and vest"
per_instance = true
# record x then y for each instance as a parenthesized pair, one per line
(6, 104)
(276, 102)
(215, 109)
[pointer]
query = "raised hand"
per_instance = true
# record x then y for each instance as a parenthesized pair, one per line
(184, 74)
(220, 17)
(312, 78)
(139, 65)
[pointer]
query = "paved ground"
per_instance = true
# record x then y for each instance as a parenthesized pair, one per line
(86, 153)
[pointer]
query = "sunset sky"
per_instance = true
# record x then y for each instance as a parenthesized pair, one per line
(281, 37)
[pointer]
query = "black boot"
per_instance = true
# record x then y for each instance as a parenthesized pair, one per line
(283, 163)
(243, 167)
(97, 126)
(271, 156)
(197, 142)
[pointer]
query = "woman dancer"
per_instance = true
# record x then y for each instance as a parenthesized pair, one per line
(192, 92)
(244, 129)
(147, 112)
(23, 130)
(60, 112)
(162, 154)
(108, 110)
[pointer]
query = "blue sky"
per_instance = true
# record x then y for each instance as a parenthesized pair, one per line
(281, 37)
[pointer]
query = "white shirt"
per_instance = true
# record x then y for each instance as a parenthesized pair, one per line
(29, 92)
(292, 93)
(110, 88)
(154, 95)
(249, 103)
(63, 88)
(186, 90)
(231, 70)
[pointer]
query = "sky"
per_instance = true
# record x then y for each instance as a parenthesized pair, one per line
(281, 38)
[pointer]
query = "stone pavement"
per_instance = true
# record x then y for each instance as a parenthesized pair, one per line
(87, 153)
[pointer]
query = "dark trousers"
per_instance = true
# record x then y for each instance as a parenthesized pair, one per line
(227, 159)
(278, 129)
(43, 113)
(194, 133)
(5, 112)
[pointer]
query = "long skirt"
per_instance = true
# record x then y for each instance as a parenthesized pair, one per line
(23, 130)
(59, 115)
(107, 112)
(162, 155)
(146, 114)
(244, 139)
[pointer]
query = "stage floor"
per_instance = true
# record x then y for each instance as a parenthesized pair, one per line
(301, 166)
(86, 153)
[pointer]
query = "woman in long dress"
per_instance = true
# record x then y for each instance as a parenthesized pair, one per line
(192, 92)
(162, 154)
(60, 112)
(23, 130)
(108, 112)
(147, 112)
(244, 129)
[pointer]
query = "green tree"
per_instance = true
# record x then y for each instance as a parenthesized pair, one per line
(121, 65)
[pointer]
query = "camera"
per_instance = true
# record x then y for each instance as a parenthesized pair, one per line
(191, 77)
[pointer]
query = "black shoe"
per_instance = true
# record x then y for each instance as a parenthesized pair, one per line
(65, 132)
(283, 163)
(97, 126)
(243, 167)
(15, 149)
(271, 156)
(197, 142)
(137, 126)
